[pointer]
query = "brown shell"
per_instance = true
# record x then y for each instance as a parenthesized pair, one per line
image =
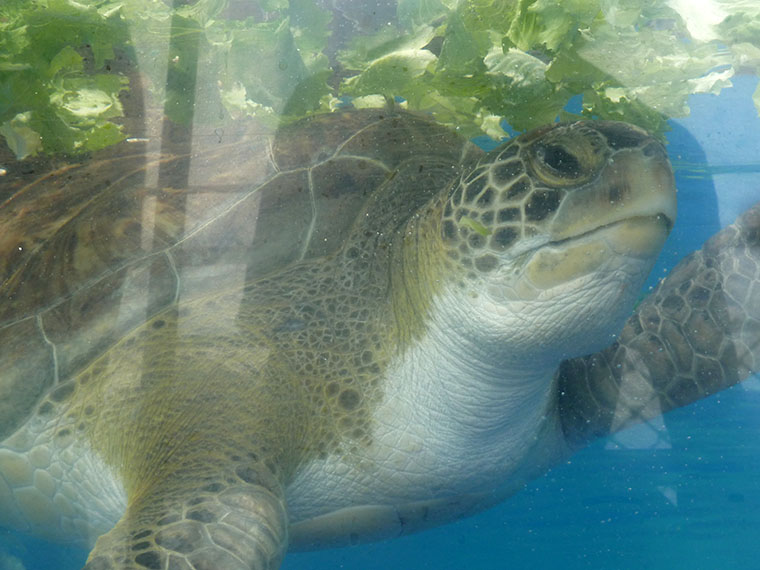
(90, 250)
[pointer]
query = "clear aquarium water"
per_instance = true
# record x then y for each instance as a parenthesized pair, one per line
(680, 491)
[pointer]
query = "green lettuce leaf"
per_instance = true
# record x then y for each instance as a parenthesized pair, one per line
(65, 65)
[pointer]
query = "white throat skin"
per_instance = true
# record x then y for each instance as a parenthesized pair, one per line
(469, 382)
(469, 408)
(477, 415)
(453, 421)
(483, 372)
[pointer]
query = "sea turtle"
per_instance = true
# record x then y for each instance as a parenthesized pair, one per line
(359, 329)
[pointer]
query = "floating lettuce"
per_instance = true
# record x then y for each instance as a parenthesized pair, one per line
(56, 92)
(66, 65)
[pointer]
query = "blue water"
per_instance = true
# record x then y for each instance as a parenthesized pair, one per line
(685, 494)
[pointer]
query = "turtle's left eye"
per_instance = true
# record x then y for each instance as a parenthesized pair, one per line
(559, 159)
(567, 156)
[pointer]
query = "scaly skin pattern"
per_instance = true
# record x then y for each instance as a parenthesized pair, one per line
(187, 429)
(381, 385)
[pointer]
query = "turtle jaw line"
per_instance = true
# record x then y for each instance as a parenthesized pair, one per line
(634, 239)
(659, 217)
(534, 247)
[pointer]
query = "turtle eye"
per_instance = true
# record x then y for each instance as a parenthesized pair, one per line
(559, 159)
(567, 155)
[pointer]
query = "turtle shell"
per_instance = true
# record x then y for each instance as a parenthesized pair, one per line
(90, 250)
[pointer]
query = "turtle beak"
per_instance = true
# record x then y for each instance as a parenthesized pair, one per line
(636, 182)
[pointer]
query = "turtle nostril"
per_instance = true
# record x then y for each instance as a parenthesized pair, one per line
(616, 194)
(653, 149)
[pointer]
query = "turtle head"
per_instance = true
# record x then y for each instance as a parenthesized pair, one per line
(565, 221)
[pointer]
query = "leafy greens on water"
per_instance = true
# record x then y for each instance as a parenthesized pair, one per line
(65, 65)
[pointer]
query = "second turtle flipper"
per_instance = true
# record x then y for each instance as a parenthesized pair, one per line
(696, 334)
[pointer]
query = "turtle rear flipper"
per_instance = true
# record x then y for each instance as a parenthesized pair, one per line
(227, 523)
(696, 334)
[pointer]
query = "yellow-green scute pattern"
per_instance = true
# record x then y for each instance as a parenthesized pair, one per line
(193, 396)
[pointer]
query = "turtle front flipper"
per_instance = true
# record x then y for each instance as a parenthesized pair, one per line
(231, 521)
(697, 334)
